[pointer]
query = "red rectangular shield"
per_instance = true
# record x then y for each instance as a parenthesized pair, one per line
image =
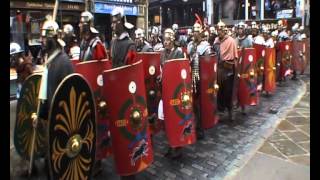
(208, 91)
(260, 58)
(270, 70)
(298, 55)
(285, 48)
(125, 94)
(151, 66)
(92, 71)
(247, 92)
(178, 102)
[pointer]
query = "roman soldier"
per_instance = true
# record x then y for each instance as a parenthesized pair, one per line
(197, 47)
(71, 48)
(226, 49)
(22, 64)
(123, 49)
(269, 41)
(155, 39)
(283, 35)
(91, 47)
(170, 51)
(302, 34)
(257, 36)
(57, 65)
(295, 34)
(242, 40)
(141, 44)
(212, 35)
(177, 41)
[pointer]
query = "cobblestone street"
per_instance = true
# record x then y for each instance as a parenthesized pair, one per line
(227, 147)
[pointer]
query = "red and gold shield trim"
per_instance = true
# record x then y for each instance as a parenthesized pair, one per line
(92, 71)
(247, 92)
(208, 91)
(125, 94)
(270, 70)
(178, 102)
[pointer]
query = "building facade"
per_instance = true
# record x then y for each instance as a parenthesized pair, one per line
(182, 12)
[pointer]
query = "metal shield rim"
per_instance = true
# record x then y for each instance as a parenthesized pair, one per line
(122, 67)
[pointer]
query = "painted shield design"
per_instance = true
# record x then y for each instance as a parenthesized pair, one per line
(270, 70)
(285, 58)
(178, 102)
(259, 62)
(247, 92)
(299, 55)
(125, 94)
(92, 71)
(151, 66)
(72, 129)
(24, 127)
(208, 91)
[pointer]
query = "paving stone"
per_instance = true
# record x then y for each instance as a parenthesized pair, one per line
(288, 148)
(267, 148)
(186, 171)
(293, 114)
(286, 126)
(212, 163)
(197, 166)
(276, 136)
(297, 136)
(170, 174)
(298, 120)
(305, 145)
(305, 128)
(304, 160)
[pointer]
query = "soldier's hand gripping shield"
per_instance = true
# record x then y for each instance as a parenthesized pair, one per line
(72, 130)
(125, 94)
(178, 102)
(269, 84)
(208, 91)
(285, 48)
(151, 66)
(247, 92)
(28, 122)
(92, 71)
(299, 56)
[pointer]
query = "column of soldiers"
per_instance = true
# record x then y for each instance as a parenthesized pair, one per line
(200, 41)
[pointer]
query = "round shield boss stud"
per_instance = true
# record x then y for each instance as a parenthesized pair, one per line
(250, 58)
(100, 80)
(183, 74)
(132, 87)
(152, 70)
(287, 47)
(263, 53)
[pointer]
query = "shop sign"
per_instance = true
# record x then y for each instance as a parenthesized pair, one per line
(287, 13)
(46, 5)
(107, 8)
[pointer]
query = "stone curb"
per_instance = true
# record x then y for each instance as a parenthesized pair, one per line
(262, 137)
